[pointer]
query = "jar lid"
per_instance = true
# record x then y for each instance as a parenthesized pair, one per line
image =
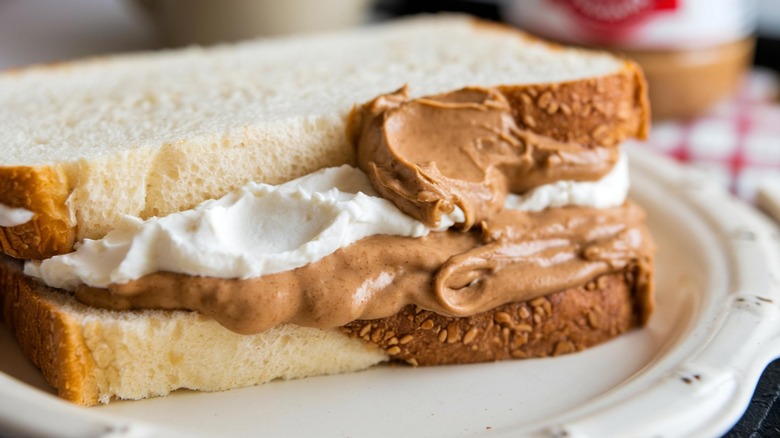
(636, 24)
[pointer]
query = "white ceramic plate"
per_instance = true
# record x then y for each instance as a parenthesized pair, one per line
(691, 372)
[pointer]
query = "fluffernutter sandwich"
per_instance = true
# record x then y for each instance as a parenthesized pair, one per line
(435, 190)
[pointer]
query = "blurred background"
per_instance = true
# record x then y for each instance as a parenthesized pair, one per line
(712, 64)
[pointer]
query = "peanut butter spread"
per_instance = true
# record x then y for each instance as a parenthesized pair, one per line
(462, 149)
(430, 156)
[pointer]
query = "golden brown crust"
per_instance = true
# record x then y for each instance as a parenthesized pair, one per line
(560, 323)
(600, 111)
(43, 190)
(47, 335)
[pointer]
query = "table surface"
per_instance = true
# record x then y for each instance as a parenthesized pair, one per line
(738, 142)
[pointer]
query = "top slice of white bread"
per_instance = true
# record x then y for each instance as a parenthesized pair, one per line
(153, 133)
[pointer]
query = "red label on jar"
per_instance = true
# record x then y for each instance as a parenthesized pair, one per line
(614, 18)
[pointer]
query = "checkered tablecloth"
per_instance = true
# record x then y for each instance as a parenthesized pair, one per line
(737, 142)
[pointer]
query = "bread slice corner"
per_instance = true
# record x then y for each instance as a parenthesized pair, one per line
(93, 356)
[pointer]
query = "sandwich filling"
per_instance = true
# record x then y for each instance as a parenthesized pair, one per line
(455, 209)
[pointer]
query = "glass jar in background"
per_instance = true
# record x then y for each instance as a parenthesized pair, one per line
(693, 52)
(184, 22)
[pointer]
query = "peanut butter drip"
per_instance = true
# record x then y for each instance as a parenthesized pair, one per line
(515, 257)
(462, 149)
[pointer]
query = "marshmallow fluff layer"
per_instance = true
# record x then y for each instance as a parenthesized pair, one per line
(262, 229)
(609, 191)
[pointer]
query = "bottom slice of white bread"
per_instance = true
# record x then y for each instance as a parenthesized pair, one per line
(95, 355)
(92, 355)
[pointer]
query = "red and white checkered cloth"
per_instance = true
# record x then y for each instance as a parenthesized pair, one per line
(738, 141)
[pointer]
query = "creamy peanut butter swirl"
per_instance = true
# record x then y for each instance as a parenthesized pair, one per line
(518, 257)
(462, 150)
(431, 157)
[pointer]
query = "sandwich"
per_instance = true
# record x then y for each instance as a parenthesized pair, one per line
(436, 190)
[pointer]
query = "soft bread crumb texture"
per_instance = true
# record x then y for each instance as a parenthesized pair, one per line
(146, 355)
(95, 107)
(93, 356)
(154, 133)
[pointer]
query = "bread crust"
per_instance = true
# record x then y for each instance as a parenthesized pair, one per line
(44, 190)
(560, 323)
(49, 337)
(601, 111)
